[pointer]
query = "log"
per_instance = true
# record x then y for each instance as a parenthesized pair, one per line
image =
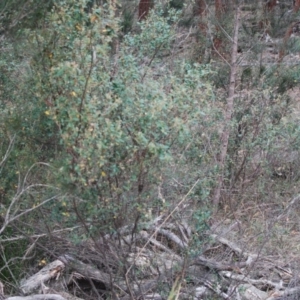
(52, 270)
(217, 265)
(256, 282)
(88, 271)
(91, 272)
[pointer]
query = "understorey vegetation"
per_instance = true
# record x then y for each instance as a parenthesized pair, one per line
(149, 149)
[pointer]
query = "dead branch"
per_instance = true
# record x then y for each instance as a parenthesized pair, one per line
(166, 219)
(38, 297)
(86, 270)
(251, 258)
(11, 215)
(218, 266)
(10, 146)
(173, 237)
(282, 295)
(37, 236)
(212, 286)
(146, 236)
(52, 270)
(256, 282)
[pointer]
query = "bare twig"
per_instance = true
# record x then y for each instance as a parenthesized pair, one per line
(10, 146)
(259, 282)
(36, 236)
(165, 220)
(10, 216)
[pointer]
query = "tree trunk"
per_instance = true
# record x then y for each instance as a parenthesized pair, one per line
(270, 5)
(219, 8)
(296, 5)
(222, 7)
(144, 8)
(200, 11)
(217, 41)
(200, 7)
(228, 114)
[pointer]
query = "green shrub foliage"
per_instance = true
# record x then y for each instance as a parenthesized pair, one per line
(119, 108)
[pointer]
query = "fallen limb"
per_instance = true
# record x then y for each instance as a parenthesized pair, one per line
(86, 270)
(251, 258)
(256, 282)
(38, 297)
(173, 237)
(68, 296)
(128, 229)
(145, 288)
(91, 272)
(218, 266)
(52, 270)
(282, 295)
(146, 236)
(212, 286)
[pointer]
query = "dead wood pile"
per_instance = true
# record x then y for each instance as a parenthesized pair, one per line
(160, 265)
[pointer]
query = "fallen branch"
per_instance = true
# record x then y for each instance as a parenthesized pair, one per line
(255, 282)
(86, 270)
(36, 236)
(38, 297)
(282, 295)
(165, 221)
(173, 237)
(218, 266)
(251, 258)
(52, 270)
(212, 286)
(146, 236)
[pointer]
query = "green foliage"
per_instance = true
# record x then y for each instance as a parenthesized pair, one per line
(124, 126)
(177, 4)
(200, 218)
(15, 15)
(13, 265)
(283, 78)
(22, 117)
(120, 114)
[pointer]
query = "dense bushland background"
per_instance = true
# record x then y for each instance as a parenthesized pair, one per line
(114, 113)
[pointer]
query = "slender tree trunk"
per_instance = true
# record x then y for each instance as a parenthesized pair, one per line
(285, 41)
(228, 114)
(222, 8)
(219, 12)
(270, 5)
(219, 8)
(144, 8)
(200, 11)
(268, 12)
(296, 5)
(289, 31)
(200, 7)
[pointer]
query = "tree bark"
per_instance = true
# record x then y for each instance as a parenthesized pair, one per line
(200, 7)
(296, 6)
(270, 5)
(285, 40)
(200, 11)
(144, 8)
(219, 8)
(228, 113)
(222, 7)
